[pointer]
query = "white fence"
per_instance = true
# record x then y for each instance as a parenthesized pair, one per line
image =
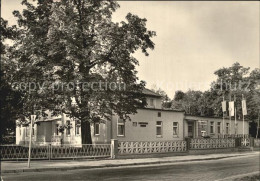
(208, 143)
(143, 147)
(257, 142)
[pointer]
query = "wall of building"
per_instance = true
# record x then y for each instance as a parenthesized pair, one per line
(148, 133)
(69, 136)
(215, 134)
(157, 102)
(141, 127)
(20, 134)
(104, 134)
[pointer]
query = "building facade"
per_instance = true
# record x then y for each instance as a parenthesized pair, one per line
(149, 124)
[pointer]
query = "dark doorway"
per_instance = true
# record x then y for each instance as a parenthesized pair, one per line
(190, 129)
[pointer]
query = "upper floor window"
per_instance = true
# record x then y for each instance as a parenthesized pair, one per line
(152, 102)
(159, 128)
(96, 128)
(159, 114)
(120, 127)
(175, 128)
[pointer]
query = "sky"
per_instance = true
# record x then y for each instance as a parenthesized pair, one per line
(194, 39)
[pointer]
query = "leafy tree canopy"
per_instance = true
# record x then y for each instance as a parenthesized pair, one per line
(78, 58)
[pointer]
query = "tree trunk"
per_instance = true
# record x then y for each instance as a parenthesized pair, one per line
(85, 133)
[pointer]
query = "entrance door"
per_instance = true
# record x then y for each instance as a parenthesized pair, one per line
(190, 129)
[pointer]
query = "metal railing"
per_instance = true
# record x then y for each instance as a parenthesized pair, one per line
(14, 152)
(80, 151)
(144, 147)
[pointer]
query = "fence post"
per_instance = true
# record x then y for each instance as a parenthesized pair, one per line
(114, 148)
(187, 144)
(236, 142)
(251, 142)
(49, 150)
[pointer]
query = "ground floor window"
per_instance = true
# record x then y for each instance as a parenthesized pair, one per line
(212, 127)
(57, 129)
(227, 128)
(175, 128)
(96, 128)
(219, 127)
(77, 127)
(202, 128)
(120, 127)
(68, 128)
(159, 128)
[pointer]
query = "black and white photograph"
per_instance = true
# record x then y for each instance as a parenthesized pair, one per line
(130, 90)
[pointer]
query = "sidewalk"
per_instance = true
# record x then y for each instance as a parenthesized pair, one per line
(44, 165)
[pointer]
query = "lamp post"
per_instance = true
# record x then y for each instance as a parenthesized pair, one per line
(30, 142)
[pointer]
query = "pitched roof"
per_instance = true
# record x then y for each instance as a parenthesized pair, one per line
(149, 92)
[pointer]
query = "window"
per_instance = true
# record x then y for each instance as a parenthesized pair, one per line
(212, 127)
(120, 127)
(203, 125)
(175, 128)
(135, 124)
(151, 102)
(227, 128)
(159, 128)
(68, 129)
(203, 128)
(219, 127)
(77, 127)
(57, 129)
(159, 114)
(96, 128)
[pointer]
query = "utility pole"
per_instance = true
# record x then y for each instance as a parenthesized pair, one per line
(223, 122)
(258, 124)
(235, 114)
(30, 142)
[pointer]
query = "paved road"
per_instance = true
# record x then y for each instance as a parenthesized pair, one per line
(198, 170)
